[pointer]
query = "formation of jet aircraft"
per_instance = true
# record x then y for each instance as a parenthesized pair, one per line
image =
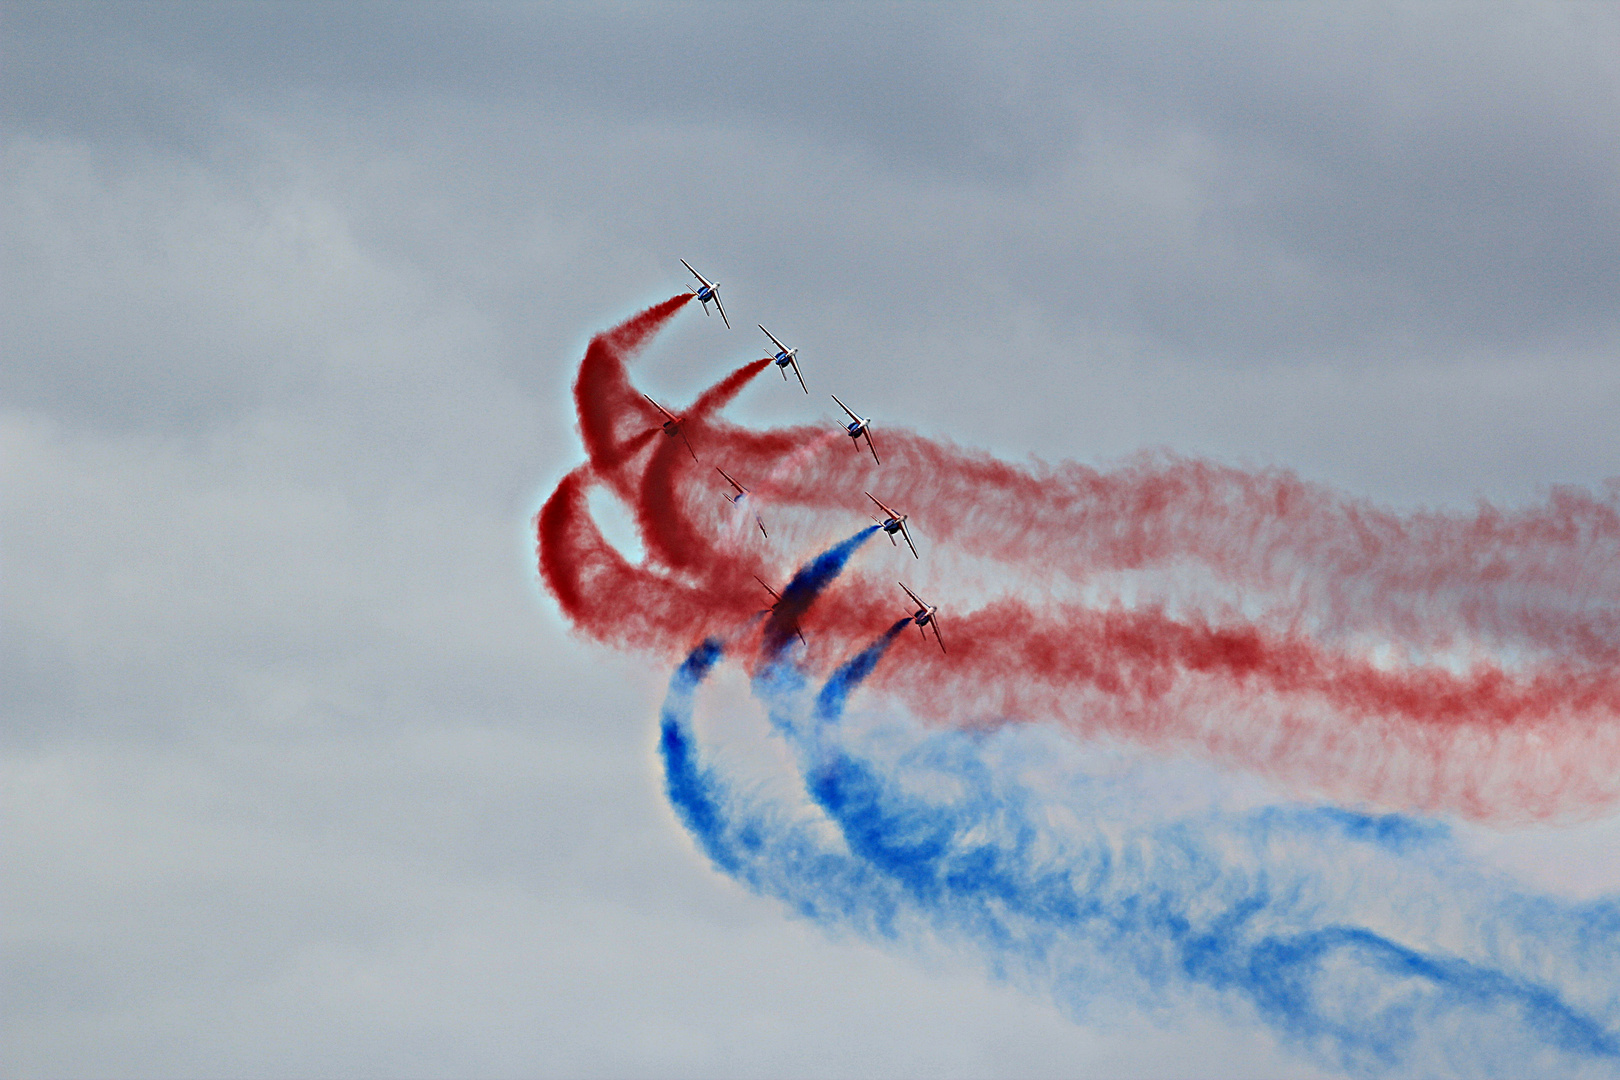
(893, 522)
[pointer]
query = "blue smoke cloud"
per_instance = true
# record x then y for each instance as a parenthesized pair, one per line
(836, 691)
(1361, 941)
(1367, 943)
(806, 586)
(691, 791)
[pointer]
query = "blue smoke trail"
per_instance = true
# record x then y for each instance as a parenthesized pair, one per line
(1356, 998)
(1365, 942)
(776, 853)
(842, 683)
(689, 788)
(805, 587)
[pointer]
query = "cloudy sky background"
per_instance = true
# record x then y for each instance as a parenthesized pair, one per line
(303, 775)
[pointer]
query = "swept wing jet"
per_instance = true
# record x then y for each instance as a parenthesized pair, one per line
(925, 615)
(894, 522)
(736, 500)
(785, 358)
(708, 290)
(857, 427)
(776, 598)
(673, 426)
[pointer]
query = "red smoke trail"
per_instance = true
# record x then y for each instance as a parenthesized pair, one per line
(660, 512)
(611, 412)
(1458, 662)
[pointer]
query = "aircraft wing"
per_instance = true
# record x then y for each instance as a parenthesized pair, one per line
(841, 405)
(772, 336)
(907, 534)
(740, 489)
(776, 596)
(799, 373)
(881, 507)
(697, 275)
(663, 410)
(909, 593)
(722, 308)
(937, 637)
(871, 447)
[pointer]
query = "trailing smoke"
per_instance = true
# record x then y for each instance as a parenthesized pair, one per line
(1276, 916)
(1466, 663)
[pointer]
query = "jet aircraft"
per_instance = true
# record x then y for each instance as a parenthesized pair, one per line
(785, 358)
(925, 615)
(736, 500)
(856, 428)
(673, 426)
(708, 290)
(894, 523)
(776, 598)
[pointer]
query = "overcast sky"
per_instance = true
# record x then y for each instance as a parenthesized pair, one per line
(303, 775)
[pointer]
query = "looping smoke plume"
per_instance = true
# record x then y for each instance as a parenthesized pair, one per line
(1463, 663)
(1457, 662)
(1280, 916)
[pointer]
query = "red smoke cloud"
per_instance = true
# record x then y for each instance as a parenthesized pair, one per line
(1443, 662)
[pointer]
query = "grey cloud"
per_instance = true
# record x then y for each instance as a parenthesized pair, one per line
(896, 77)
(1411, 178)
(293, 298)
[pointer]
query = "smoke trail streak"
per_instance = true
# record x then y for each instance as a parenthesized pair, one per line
(806, 586)
(770, 850)
(974, 863)
(842, 682)
(671, 537)
(611, 412)
(1252, 914)
(1464, 662)
(764, 492)
(1467, 663)
(690, 789)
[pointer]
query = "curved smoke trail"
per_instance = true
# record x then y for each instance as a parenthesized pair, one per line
(1319, 923)
(1456, 662)
(1453, 662)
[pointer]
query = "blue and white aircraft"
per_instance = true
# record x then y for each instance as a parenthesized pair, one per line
(894, 522)
(857, 427)
(708, 290)
(736, 500)
(785, 358)
(925, 615)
